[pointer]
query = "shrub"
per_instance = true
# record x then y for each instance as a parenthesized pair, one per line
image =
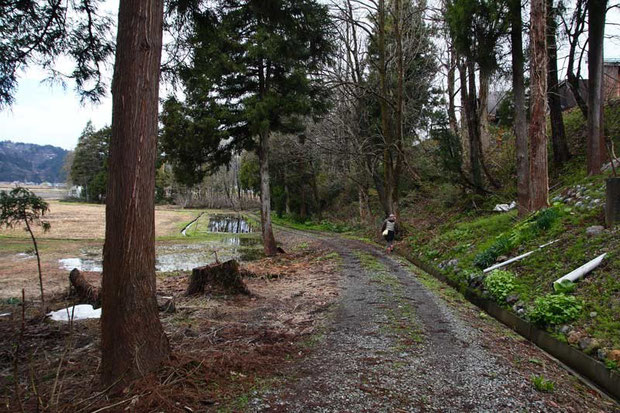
(499, 284)
(555, 309)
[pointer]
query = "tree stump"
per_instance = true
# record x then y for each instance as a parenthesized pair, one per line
(217, 277)
(87, 292)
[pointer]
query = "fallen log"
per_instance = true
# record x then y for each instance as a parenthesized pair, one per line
(222, 277)
(86, 292)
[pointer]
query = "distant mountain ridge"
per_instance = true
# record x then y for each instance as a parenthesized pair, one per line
(29, 162)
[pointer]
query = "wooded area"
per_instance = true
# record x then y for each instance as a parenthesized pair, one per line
(350, 109)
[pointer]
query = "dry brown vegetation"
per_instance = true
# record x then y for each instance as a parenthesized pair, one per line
(87, 221)
(75, 228)
(223, 346)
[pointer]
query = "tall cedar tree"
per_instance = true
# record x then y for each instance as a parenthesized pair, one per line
(132, 338)
(520, 118)
(253, 72)
(475, 28)
(402, 67)
(596, 34)
(89, 168)
(539, 178)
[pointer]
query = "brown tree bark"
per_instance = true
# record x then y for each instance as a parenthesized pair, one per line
(539, 179)
(596, 31)
(558, 134)
(483, 109)
(222, 277)
(520, 125)
(464, 118)
(451, 91)
(269, 242)
(473, 128)
(132, 338)
(83, 289)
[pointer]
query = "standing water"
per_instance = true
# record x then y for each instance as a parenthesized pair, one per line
(229, 223)
(184, 256)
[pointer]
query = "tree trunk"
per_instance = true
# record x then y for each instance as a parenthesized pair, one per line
(36, 252)
(539, 179)
(269, 242)
(400, 67)
(317, 200)
(483, 108)
(520, 125)
(86, 292)
(473, 128)
(454, 127)
(287, 195)
(464, 118)
(558, 135)
(379, 186)
(596, 31)
(133, 342)
(364, 204)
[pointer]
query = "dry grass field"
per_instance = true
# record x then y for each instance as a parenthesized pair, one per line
(75, 228)
(71, 220)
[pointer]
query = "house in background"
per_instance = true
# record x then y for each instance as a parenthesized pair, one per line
(611, 85)
(611, 78)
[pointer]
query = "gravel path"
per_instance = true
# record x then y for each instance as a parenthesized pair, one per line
(393, 345)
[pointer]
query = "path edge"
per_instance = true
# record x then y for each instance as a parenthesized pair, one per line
(608, 381)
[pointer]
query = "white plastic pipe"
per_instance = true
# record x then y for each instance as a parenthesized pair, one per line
(583, 270)
(517, 258)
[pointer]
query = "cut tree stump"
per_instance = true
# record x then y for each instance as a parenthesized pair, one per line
(217, 277)
(87, 292)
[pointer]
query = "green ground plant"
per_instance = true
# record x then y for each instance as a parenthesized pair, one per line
(499, 284)
(525, 231)
(554, 309)
(542, 384)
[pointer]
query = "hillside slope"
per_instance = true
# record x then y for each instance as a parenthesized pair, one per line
(28, 162)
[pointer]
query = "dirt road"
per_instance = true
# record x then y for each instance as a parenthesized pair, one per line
(398, 341)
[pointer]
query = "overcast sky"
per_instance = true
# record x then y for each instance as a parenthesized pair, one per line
(46, 114)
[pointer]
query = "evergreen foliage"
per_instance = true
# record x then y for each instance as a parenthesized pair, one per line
(90, 163)
(37, 32)
(253, 70)
(475, 27)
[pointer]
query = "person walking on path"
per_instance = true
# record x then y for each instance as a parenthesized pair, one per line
(389, 230)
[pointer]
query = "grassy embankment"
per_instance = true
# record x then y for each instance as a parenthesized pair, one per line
(460, 242)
